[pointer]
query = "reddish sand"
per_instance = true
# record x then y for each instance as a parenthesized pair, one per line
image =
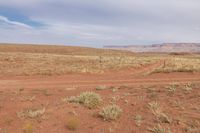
(137, 89)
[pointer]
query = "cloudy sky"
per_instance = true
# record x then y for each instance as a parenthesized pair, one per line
(99, 22)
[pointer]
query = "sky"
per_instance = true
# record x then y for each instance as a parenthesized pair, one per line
(96, 23)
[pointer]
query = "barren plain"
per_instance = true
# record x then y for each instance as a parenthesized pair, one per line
(60, 89)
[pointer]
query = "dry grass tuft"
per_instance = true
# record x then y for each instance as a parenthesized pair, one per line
(154, 105)
(28, 98)
(88, 99)
(160, 116)
(138, 119)
(111, 112)
(157, 129)
(172, 88)
(31, 113)
(72, 123)
(101, 87)
(27, 128)
(188, 88)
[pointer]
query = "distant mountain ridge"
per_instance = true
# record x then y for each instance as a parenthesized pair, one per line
(164, 47)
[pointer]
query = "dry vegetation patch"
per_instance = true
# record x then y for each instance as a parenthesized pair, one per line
(58, 64)
(31, 113)
(27, 128)
(88, 99)
(72, 123)
(151, 102)
(180, 64)
(111, 112)
(158, 129)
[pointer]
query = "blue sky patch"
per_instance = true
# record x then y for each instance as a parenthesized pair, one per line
(99, 22)
(15, 15)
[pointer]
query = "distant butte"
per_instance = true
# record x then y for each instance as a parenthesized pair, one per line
(164, 47)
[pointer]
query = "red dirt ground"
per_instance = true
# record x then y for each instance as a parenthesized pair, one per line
(136, 90)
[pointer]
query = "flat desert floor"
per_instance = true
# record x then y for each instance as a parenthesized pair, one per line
(154, 93)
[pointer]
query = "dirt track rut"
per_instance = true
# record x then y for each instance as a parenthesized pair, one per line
(128, 77)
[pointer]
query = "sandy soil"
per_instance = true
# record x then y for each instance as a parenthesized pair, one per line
(135, 90)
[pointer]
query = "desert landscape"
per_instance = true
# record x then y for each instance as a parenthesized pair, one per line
(65, 89)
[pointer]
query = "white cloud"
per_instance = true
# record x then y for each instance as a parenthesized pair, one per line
(101, 22)
(6, 20)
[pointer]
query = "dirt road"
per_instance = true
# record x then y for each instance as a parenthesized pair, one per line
(19, 93)
(125, 77)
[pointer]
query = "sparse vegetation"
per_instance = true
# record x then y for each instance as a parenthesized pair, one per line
(72, 99)
(101, 87)
(157, 129)
(180, 64)
(172, 88)
(154, 105)
(188, 88)
(115, 89)
(57, 64)
(162, 117)
(179, 104)
(156, 110)
(114, 99)
(31, 113)
(138, 120)
(28, 98)
(111, 112)
(88, 99)
(162, 102)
